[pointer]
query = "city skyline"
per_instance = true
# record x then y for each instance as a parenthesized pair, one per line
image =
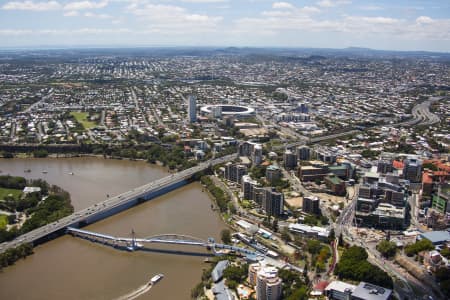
(403, 25)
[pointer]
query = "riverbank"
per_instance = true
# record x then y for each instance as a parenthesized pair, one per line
(40, 205)
(186, 210)
(10, 256)
(171, 155)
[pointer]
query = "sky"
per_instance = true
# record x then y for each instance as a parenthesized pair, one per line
(378, 24)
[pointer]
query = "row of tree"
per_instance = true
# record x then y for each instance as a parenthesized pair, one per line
(320, 253)
(219, 195)
(12, 182)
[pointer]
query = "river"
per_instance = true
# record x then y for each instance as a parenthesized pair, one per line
(72, 268)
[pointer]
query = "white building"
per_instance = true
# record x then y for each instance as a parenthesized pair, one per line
(266, 281)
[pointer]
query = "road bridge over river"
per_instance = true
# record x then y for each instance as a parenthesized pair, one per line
(113, 205)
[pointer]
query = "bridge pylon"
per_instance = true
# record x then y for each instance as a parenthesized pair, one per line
(133, 244)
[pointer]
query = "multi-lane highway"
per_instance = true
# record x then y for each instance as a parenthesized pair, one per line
(113, 205)
(345, 219)
(421, 114)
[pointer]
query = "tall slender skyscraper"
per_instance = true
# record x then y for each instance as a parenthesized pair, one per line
(412, 169)
(192, 109)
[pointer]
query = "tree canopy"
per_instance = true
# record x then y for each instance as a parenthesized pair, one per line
(294, 287)
(418, 246)
(225, 236)
(354, 266)
(387, 248)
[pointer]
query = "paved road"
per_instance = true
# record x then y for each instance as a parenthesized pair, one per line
(102, 118)
(422, 112)
(13, 130)
(316, 139)
(422, 115)
(137, 106)
(43, 99)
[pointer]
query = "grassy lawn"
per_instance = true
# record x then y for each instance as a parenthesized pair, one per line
(5, 192)
(81, 118)
(3, 221)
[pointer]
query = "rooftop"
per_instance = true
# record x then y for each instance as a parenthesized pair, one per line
(217, 272)
(221, 292)
(334, 179)
(340, 286)
(436, 236)
(273, 167)
(31, 189)
(368, 291)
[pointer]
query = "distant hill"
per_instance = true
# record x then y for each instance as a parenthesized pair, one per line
(310, 54)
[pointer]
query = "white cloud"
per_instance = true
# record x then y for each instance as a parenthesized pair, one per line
(333, 3)
(204, 1)
(277, 13)
(284, 9)
(80, 31)
(174, 19)
(79, 5)
(285, 22)
(97, 16)
(15, 32)
(424, 20)
(371, 7)
(282, 5)
(72, 13)
(373, 20)
(310, 9)
(31, 5)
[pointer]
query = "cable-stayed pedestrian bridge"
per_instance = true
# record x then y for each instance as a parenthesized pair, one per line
(133, 243)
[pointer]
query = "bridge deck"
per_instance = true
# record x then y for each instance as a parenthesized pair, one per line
(164, 239)
(112, 205)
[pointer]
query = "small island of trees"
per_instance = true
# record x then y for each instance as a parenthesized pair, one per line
(26, 211)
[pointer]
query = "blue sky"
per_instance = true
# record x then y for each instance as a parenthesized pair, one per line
(378, 24)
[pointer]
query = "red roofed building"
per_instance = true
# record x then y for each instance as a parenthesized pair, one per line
(319, 288)
(444, 167)
(398, 164)
(266, 163)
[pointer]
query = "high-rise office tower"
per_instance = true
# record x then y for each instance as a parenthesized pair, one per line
(192, 109)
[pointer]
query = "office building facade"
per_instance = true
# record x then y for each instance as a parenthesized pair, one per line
(192, 109)
(412, 170)
(289, 160)
(311, 205)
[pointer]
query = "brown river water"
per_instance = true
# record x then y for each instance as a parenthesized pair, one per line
(73, 268)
